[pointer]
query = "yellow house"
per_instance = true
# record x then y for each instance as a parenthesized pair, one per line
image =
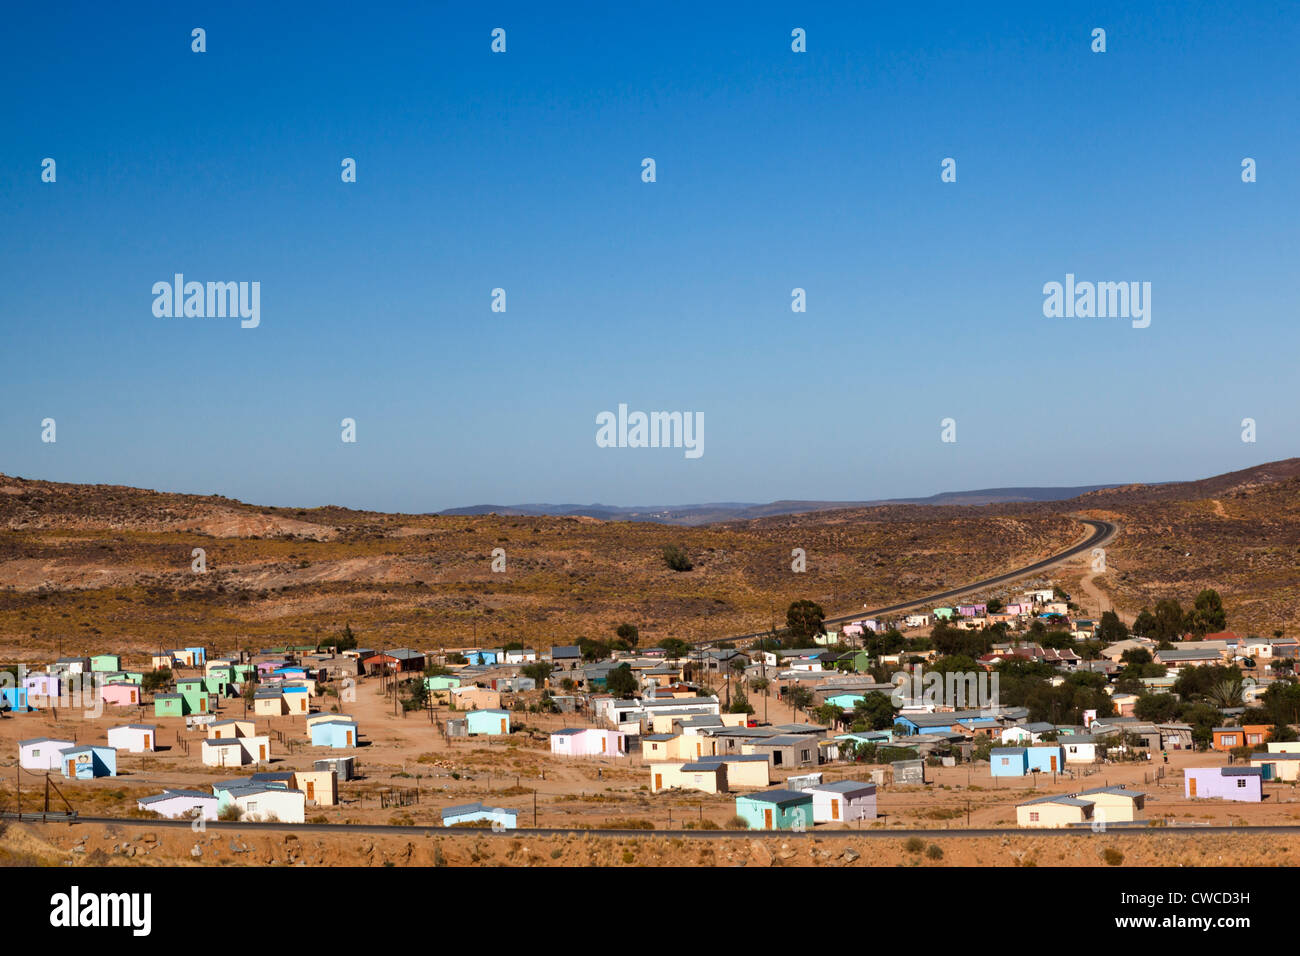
(1053, 812)
(745, 772)
(475, 698)
(1283, 746)
(1114, 804)
(706, 776)
(1285, 765)
(269, 703)
(320, 786)
(226, 729)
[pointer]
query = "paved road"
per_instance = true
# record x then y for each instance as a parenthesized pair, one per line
(383, 829)
(1102, 532)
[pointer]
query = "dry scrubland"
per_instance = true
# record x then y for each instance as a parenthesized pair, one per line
(108, 568)
(131, 845)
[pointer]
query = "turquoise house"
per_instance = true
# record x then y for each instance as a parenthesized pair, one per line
(106, 662)
(481, 657)
(217, 682)
(87, 763)
(487, 722)
(169, 705)
(200, 655)
(776, 810)
(14, 698)
(124, 677)
(441, 682)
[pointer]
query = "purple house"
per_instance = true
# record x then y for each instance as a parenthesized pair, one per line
(1225, 783)
(42, 685)
(972, 610)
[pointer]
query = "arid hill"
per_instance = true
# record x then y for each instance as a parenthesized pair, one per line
(96, 567)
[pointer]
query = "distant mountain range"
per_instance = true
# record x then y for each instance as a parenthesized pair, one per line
(742, 511)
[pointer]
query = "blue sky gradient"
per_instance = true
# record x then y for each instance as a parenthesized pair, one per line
(522, 170)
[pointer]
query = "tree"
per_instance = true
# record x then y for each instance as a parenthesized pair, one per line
(1169, 620)
(676, 558)
(740, 703)
(156, 680)
(675, 647)
(621, 682)
(800, 697)
(995, 606)
(1207, 614)
(1110, 629)
(538, 671)
(628, 634)
(829, 714)
(803, 619)
(875, 710)
(1144, 625)
(345, 640)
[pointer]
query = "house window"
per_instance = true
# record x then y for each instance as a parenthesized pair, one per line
(1006, 761)
(1229, 740)
(1033, 816)
(1241, 783)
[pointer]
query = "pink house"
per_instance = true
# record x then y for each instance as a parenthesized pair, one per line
(589, 742)
(121, 694)
(1226, 783)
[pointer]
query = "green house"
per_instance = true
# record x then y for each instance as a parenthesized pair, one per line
(195, 692)
(776, 810)
(943, 613)
(124, 677)
(845, 701)
(106, 662)
(169, 705)
(441, 682)
(217, 683)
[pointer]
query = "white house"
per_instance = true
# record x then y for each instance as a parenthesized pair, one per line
(261, 804)
(236, 751)
(42, 753)
(842, 800)
(917, 620)
(187, 804)
(1025, 733)
(136, 738)
(521, 656)
(1079, 749)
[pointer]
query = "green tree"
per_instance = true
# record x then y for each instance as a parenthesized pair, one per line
(676, 558)
(629, 634)
(621, 682)
(1110, 629)
(803, 619)
(1207, 614)
(875, 711)
(538, 671)
(675, 647)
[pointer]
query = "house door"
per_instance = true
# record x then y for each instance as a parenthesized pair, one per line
(503, 725)
(261, 752)
(1053, 763)
(659, 781)
(349, 737)
(146, 742)
(603, 741)
(767, 818)
(835, 809)
(72, 768)
(1191, 786)
(311, 790)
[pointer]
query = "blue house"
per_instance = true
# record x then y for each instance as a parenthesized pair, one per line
(1008, 762)
(14, 698)
(200, 655)
(1045, 758)
(86, 763)
(481, 657)
(477, 813)
(334, 733)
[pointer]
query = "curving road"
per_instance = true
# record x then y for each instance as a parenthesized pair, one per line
(1102, 533)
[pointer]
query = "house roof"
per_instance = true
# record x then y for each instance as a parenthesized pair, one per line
(1119, 791)
(467, 808)
(1058, 798)
(777, 796)
(175, 794)
(44, 740)
(844, 786)
(1241, 771)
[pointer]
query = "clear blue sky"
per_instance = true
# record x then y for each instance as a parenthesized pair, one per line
(522, 171)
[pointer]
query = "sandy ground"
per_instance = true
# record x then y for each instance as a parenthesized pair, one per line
(412, 756)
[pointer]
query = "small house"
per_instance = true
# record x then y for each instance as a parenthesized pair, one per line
(227, 729)
(842, 800)
(181, 804)
(168, 705)
(134, 738)
(120, 694)
(588, 742)
(88, 762)
(15, 699)
(487, 722)
(469, 813)
(1008, 762)
(262, 804)
(1225, 783)
(708, 775)
(1052, 812)
(106, 663)
(340, 733)
(776, 810)
(41, 753)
